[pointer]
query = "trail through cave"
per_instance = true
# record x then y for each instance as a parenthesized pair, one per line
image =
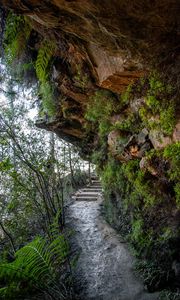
(104, 269)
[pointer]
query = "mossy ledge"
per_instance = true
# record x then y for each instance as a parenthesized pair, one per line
(109, 82)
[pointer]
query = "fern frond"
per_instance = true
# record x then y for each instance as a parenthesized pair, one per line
(17, 33)
(44, 57)
(36, 265)
(42, 64)
(46, 92)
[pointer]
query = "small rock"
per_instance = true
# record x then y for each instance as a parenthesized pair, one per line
(145, 165)
(159, 140)
(141, 138)
(136, 104)
(145, 147)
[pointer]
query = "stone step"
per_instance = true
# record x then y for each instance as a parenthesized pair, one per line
(94, 178)
(86, 198)
(91, 190)
(87, 194)
(95, 181)
(92, 186)
(95, 187)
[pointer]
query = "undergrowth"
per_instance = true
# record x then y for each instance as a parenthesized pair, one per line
(139, 202)
(172, 154)
(159, 109)
(102, 105)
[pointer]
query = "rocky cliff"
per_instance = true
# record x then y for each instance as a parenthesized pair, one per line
(107, 45)
(114, 68)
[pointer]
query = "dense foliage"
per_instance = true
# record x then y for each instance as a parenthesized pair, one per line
(38, 173)
(142, 196)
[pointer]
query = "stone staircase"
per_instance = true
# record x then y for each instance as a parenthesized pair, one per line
(91, 192)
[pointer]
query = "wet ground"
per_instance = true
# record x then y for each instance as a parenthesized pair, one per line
(104, 270)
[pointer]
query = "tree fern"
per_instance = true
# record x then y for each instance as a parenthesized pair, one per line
(35, 267)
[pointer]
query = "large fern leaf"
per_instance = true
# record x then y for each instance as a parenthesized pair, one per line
(36, 265)
(43, 59)
(17, 32)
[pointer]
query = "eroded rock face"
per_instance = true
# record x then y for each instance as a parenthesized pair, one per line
(100, 45)
(114, 72)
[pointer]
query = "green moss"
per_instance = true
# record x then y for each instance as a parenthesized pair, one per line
(167, 119)
(112, 176)
(159, 109)
(177, 193)
(81, 78)
(104, 127)
(172, 153)
(167, 233)
(137, 230)
(155, 83)
(128, 124)
(142, 191)
(101, 106)
(125, 96)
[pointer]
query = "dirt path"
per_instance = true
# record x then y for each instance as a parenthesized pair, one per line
(104, 269)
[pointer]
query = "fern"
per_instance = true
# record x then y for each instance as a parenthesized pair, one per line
(43, 59)
(36, 267)
(42, 64)
(46, 92)
(17, 32)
